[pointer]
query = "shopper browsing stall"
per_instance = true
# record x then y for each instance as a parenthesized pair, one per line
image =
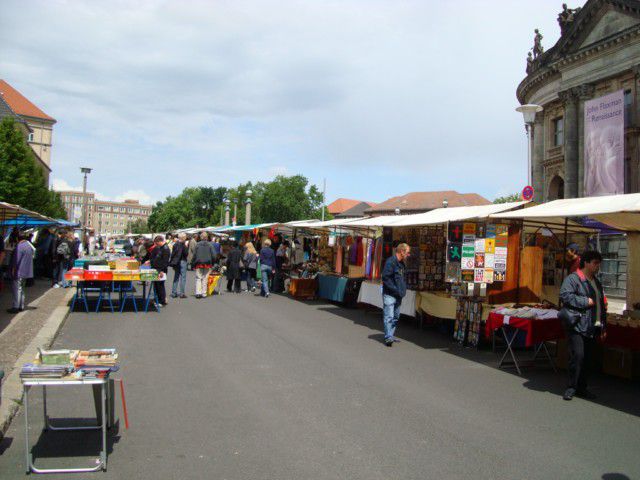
(160, 261)
(250, 260)
(394, 288)
(584, 312)
(179, 263)
(234, 268)
(267, 266)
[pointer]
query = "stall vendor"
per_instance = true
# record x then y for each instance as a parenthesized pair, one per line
(573, 257)
(584, 310)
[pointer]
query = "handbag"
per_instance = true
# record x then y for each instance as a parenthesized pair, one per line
(569, 318)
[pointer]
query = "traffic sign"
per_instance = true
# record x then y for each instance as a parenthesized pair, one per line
(527, 193)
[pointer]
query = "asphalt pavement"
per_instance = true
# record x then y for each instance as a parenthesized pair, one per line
(242, 387)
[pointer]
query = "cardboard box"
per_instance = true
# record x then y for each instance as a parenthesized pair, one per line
(621, 362)
(99, 268)
(122, 275)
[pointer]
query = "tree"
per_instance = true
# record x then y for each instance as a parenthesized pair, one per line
(21, 179)
(514, 197)
(285, 199)
(137, 226)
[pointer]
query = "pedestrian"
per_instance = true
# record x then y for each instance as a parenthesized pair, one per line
(234, 268)
(250, 261)
(573, 257)
(64, 258)
(203, 260)
(21, 270)
(267, 267)
(179, 263)
(193, 243)
(159, 259)
(583, 316)
(394, 288)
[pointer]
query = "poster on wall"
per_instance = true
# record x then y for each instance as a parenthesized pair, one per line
(604, 145)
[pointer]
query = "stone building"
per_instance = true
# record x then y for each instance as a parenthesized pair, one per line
(105, 218)
(598, 53)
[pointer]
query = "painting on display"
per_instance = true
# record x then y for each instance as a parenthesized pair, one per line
(454, 252)
(453, 273)
(455, 232)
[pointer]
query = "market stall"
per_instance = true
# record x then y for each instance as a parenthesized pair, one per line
(619, 212)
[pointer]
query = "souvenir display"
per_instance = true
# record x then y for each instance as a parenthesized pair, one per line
(468, 322)
(482, 259)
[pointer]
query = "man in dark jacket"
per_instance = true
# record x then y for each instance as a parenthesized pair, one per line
(234, 271)
(584, 312)
(159, 260)
(394, 288)
(179, 263)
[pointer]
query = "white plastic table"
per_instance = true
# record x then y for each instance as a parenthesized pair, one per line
(66, 382)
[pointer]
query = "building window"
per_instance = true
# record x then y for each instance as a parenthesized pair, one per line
(628, 108)
(558, 132)
(31, 136)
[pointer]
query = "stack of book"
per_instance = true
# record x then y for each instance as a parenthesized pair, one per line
(32, 370)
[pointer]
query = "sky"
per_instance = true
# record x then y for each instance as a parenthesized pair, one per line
(379, 98)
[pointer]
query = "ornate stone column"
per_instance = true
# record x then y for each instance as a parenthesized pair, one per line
(570, 99)
(538, 157)
(584, 93)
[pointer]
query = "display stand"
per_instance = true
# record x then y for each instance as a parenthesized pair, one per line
(103, 383)
(538, 332)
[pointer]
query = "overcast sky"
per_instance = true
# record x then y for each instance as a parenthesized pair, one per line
(378, 97)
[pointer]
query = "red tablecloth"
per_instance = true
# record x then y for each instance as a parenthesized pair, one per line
(538, 331)
(623, 337)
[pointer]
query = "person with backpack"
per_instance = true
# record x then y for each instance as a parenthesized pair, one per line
(203, 259)
(64, 258)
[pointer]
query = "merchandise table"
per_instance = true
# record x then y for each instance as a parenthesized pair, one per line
(103, 383)
(622, 337)
(303, 287)
(371, 294)
(331, 287)
(148, 294)
(538, 332)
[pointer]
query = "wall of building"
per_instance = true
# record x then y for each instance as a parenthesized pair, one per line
(105, 218)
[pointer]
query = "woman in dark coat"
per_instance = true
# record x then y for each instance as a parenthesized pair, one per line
(234, 270)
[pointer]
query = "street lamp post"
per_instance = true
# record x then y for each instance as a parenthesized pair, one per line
(247, 213)
(85, 171)
(226, 211)
(529, 113)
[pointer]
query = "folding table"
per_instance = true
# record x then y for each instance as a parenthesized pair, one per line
(101, 425)
(538, 331)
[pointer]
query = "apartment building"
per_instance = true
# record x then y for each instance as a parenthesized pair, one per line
(105, 218)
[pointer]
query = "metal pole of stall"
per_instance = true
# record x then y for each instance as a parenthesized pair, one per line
(564, 248)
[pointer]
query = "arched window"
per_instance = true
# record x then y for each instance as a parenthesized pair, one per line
(556, 188)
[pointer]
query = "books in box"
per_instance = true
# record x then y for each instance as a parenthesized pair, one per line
(99, 268)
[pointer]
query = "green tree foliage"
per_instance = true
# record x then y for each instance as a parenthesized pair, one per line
(21, 178)
(137, 226)
(281, 200)
(514, 197)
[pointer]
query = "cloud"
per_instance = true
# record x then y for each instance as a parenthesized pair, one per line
(378, 97)
(139, 195)
(61, 185)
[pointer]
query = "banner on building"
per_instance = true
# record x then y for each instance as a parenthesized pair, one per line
(604, 145)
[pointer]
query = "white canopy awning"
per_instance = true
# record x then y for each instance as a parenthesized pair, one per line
(338, 222)
(454, 214)
(371, 222)
(621, 212)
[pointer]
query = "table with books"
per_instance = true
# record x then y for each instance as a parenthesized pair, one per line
(66, 368)
(106, 276)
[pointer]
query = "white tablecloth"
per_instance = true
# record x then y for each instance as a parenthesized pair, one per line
(371, 294)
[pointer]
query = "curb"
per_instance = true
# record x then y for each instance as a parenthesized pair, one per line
(12, 389)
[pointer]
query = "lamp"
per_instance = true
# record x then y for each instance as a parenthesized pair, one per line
(397, 211)
(445, 203)
(85, 171)
(529, 114)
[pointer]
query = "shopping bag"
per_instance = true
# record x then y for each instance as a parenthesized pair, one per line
(258, 271)
(212, 283)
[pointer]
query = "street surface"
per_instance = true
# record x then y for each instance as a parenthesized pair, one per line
(240, 387)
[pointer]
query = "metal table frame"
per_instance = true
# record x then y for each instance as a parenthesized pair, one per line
(102, 425)
(509, 339)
